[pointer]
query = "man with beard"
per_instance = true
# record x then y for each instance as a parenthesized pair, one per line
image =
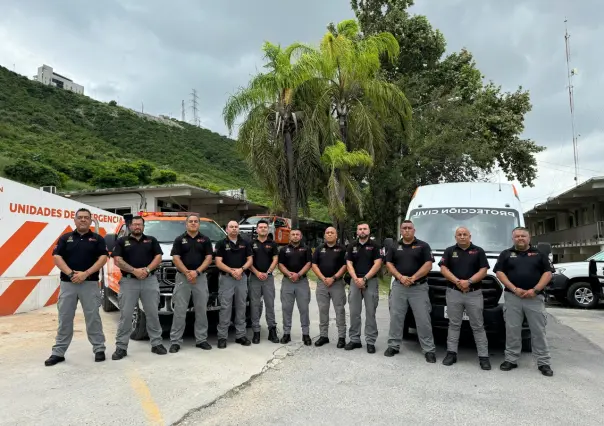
(262, 282)
(233, 258)
(191, 254)
(409, 263)
(138, 255)
(294, 263)
(524, 271)
(363, 260)
(79, 255)
(464, 265)
(329, 265)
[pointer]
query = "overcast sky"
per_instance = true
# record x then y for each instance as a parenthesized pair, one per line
(155, 52)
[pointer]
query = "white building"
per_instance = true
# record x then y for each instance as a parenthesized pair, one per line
(47, 76)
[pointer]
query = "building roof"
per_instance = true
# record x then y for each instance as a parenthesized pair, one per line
(62, 76)
(190, 190)
(587, 192)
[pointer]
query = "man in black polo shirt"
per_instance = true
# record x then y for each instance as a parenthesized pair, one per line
(464, 265)
(79, 255)
(329, 265)
(524, 271)
(262, 282)
(191, 254)
(294, 263)
(409, 262)
(233, 258)
(138, 255)
(363, 260)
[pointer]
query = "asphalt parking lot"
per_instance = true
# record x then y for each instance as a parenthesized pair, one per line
(272, 384)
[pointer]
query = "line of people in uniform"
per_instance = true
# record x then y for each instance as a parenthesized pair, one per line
(523, 270)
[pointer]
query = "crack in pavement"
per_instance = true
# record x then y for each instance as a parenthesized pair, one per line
(281, 353)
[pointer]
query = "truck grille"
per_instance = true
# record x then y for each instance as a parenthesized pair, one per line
(491, 290)
(166, 276)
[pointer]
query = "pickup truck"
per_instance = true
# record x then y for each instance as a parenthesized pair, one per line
(578, 284)
(165, 226)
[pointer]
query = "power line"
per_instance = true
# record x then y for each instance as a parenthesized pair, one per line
(571, 99)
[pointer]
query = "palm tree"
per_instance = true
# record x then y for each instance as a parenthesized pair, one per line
(271, 136)
(340, 163)
(346, 99)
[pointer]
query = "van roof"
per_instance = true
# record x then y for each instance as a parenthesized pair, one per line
(466, 194)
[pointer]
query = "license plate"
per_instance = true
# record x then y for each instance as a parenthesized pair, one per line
(464, 316)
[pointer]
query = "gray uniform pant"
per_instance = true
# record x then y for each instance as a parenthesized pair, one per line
(181, 297)
(228, 287)
(131, 290)
(371, 295)
(260, 290)
(472, 302)
(298, 292)
(418, 298)
(514, 311)
(337, 294)
(89, 296)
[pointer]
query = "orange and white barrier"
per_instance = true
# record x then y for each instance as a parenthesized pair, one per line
(31, 221)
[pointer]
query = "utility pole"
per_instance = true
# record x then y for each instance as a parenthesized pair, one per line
(571, 98)
(183, 110)
(142, 107)
(195, 108)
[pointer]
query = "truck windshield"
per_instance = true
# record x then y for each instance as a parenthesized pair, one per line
(491, 229)
(253, 220)
(166, 231)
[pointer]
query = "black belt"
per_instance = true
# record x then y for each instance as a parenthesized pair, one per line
(417, 283)
(472, 288)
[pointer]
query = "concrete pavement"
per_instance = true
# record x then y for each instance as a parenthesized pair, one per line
(331, 386)
(141, 389)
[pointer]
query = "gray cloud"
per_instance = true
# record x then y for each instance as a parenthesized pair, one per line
(156, 52)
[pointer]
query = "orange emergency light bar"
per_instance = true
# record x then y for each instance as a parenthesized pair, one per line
(167, 214)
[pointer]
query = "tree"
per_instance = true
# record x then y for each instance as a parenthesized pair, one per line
(272, 137)
(463, 128)
(346, 100)
(340, 163)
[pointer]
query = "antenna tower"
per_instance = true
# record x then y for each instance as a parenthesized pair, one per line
(195, 108)
(183, 110)
(571, 98)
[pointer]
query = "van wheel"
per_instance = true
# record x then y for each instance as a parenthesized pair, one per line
(527, 345)
(580, 295)
(106, 304)
(139, 324)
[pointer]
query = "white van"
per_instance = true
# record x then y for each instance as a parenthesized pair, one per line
(490, 211)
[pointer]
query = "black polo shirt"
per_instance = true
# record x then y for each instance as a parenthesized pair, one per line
(80, 251)
(409, 258)
(523, 268)
(295, 258)
(192, 250)
(137, 253)
(329, 259)
(464, 263)
(234, 254)
(264, 252)
(363, 256)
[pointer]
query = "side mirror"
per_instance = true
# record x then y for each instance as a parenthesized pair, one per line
(110, 240)
(596, 286)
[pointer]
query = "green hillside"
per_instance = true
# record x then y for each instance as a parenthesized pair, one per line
(50, 136)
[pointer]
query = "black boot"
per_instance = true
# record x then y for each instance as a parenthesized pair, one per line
(306, 339)
(321, 341)
(485, 364)
(272, 335)
(450, 359)
(256, 337)
(341, 343)
(286, 338)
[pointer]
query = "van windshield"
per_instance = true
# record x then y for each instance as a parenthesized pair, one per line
(491, 229)
(166, 231)
(253, 220)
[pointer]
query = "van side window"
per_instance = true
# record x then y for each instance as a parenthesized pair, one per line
(122, 232)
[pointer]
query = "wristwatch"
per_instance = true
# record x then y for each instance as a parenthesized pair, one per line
(470, 281)
(365, 279)
(148, 271)
(71, 274)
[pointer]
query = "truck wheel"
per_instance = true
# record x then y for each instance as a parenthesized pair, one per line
(580, 295)
(139, 324)
(106, 304)
(527, 345)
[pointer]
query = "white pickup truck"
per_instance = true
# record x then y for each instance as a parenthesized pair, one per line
(578, 284)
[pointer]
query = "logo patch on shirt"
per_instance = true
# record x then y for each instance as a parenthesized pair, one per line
(146, 241)
(455, 254)
(369, 248)
(126, 243)
(70, 239)
(512, 254)
(414, 247)
(241, 246)
(473, 252)
(254, 246)
(323, 250)
(532, 254)
(184, 241)
(92, 239)
(268, 246)
(354, 249)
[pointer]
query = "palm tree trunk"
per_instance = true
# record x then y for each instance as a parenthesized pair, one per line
(342, 192)
(293, 192)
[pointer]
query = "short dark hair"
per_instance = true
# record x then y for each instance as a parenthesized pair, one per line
(82, 209)
(520, 228)
(407, 221)
(362, 223)
(262, 221)
(138, 218)
(193, 215)
(296, 229)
